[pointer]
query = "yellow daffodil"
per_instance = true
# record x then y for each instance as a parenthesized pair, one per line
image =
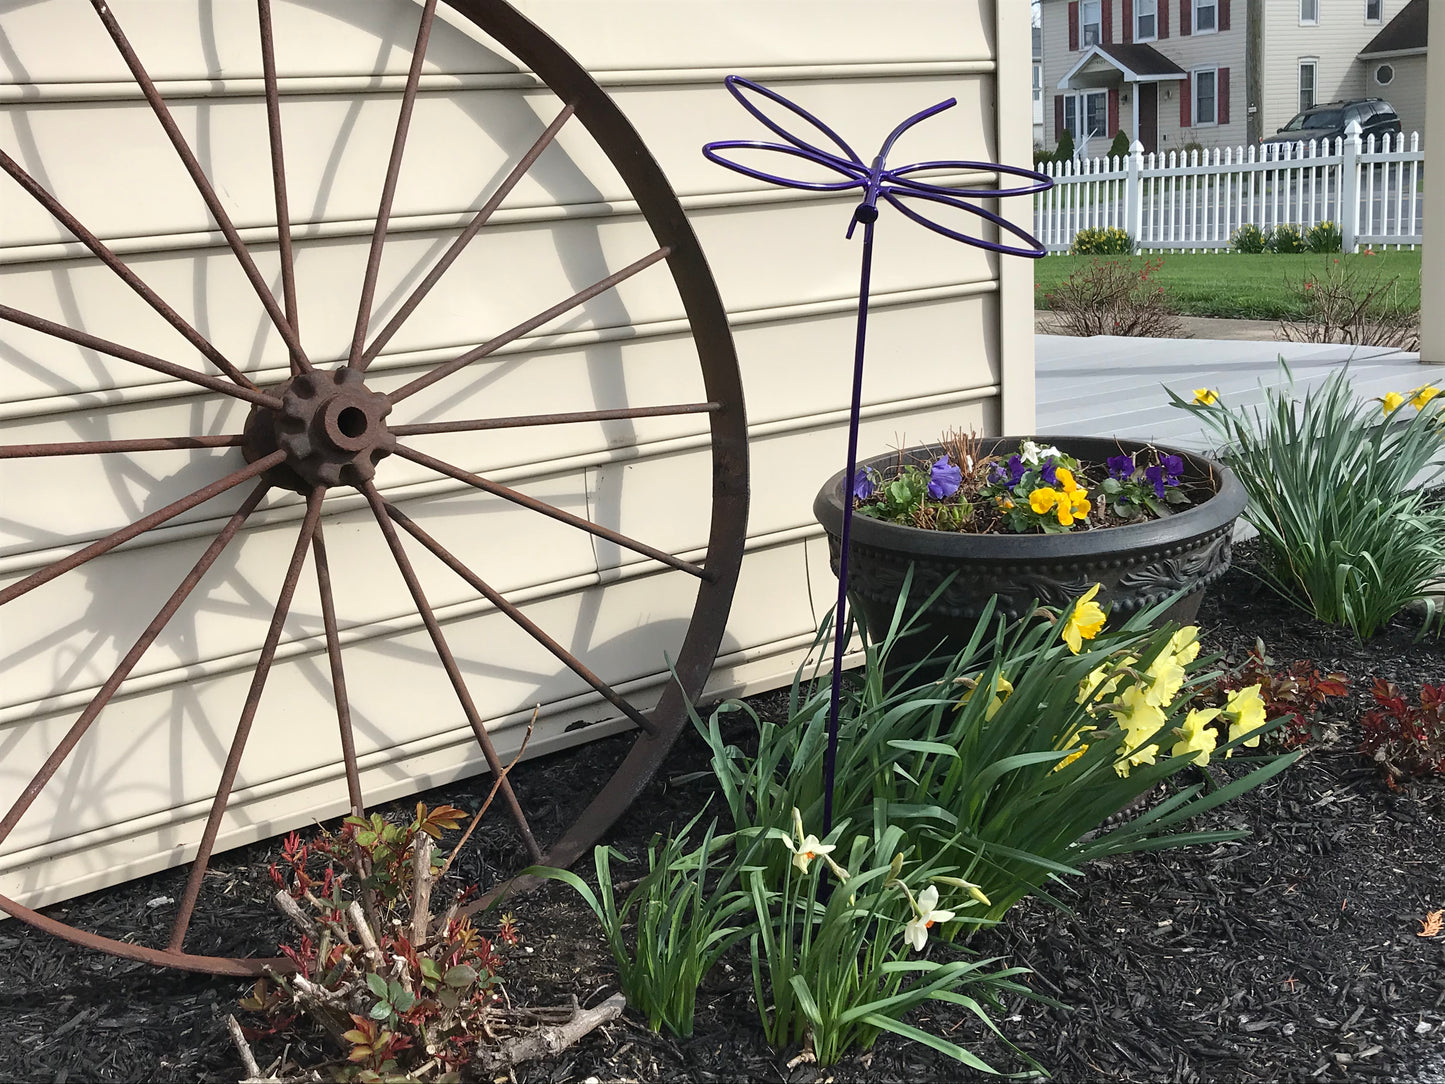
(1042, 499)
(1244, 708)
(1141, 720)
(1084, 622)
(925, 914)
(1206, 396)
(1100, 684)
(1392, 402)
(1422, 395)
(1164, 677)
(1185, 644)
(1196, 736)
(1004, 690)
(1077, 753)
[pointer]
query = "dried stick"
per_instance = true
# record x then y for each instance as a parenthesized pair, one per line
(287, 905)
(422, 880)
(365, 934)
(243, 1048)
(491, 794)
(550, 1040)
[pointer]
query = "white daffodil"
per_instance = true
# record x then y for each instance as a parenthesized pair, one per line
(809, 847)
(926, 913)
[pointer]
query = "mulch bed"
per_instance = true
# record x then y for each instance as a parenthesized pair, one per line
(1289, 955)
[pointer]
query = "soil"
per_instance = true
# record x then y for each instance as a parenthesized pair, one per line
(1291, 954)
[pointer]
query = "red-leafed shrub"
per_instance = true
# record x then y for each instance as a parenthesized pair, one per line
(1294, 694)
(1405, 741)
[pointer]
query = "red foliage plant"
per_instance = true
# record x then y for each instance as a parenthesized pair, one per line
(1294, 694)
(1405, 741)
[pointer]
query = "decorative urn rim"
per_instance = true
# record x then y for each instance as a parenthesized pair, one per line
(1210, 515)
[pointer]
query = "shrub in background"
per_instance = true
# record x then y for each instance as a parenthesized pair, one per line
(1120, 147)
(1042, 158)
(1190, 149)
(1114, 297)
(1324, 238)
(1345, 304)
(1286, 240)
(1102, 241)
(1250, 239)
(1065, 150)
(1338, 498)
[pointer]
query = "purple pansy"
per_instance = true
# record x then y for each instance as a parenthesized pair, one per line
(1173, 468)
(944, 479)
(1120, 466)
(1049, 472)
(1016, 470)
(862, 486)
(1156, 476)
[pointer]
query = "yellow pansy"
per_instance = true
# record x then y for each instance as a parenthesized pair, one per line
(1196, 736)
(1392, 402)
(1084, 622)
(1422, 395)
(1206, 396)
(1042, 499)
(1066, 479)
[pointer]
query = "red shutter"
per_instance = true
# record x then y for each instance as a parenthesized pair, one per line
(1221, 88)
(1223, 14)
(1128, 22)
(1113, 111)
(1058, 117)
(1186, 17)
(1186, 96)
(1073, 26)
(1106, 22)
(1162, 18)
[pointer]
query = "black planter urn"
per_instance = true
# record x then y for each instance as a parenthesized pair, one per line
(1137, 565)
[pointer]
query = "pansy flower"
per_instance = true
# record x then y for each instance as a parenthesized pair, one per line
(944, 479)
(1120, 466)
(862, 486)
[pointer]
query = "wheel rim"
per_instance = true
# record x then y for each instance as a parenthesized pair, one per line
(328, 430)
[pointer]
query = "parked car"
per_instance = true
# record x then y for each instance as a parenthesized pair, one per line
(1328, 120)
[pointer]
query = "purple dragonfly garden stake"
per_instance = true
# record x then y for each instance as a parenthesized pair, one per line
(895, 187)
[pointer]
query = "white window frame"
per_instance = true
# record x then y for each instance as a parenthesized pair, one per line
(1212, 6)
(1076, 113)
(1194, 121)
(1038, 81)
(1379, 16)
(1313, 7)
(1140, 13)
(1085, 23)
(1313, 64)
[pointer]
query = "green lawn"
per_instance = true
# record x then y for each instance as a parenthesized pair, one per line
(1229, 285)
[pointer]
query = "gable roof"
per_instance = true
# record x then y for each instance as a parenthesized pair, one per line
(1137, 63)
(1405, 33)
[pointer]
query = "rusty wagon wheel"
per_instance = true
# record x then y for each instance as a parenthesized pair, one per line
(329, 430)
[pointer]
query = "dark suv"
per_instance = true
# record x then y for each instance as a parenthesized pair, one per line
(1329, 120)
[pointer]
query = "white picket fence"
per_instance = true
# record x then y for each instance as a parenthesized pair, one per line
(1372, 190)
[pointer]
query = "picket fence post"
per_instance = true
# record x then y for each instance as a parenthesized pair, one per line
(1134, 195)
(1350, 188)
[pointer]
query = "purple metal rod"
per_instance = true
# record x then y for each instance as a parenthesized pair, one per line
(892, 186)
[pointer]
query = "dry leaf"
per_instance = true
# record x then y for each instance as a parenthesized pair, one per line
(1431, 924)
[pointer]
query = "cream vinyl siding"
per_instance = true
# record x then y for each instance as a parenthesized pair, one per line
(1406, 91)
(1336, 41)
(950, 345)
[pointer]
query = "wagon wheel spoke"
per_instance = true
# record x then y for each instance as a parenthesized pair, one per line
(507, 493)
(127, 664)
(148, 361)
(464, 238)
(102, 447)
(388, 187)
(140, 526)
(243, 728)
(492, 345)
(449, 663)
(278, 174)
(338, 675)
(524, 420)
(522, 620)
(116, 264)
(202, 182)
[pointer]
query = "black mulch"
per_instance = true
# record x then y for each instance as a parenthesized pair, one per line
(1290, 955)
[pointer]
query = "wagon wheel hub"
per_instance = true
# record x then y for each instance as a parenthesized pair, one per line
(331, 426)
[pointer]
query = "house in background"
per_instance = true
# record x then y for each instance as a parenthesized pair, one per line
(1394, 64)
(1215, 72)
(1038, 35)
